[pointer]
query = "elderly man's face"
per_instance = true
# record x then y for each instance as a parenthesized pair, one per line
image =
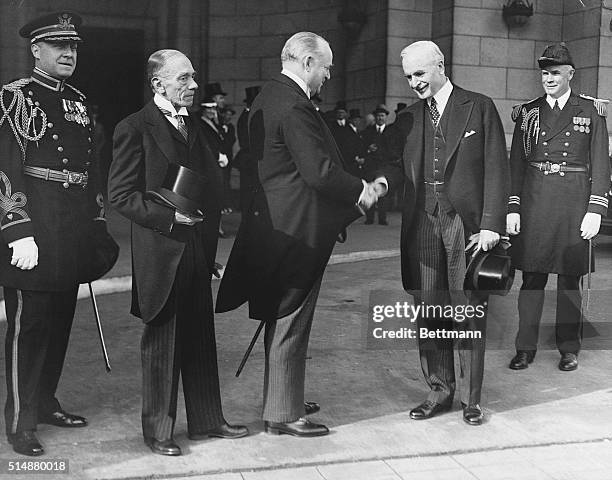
(318, 70)
(381, 118)
(556, 79)
(210, 113)
(58, 59)
(424, 72)
(176, 81)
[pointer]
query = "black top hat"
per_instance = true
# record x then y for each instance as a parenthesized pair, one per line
(251, 93)
(556, 54)
(340, 105)
(54, 27)
(212, 89)
(182, 189)
(381, 108)
(354, 113)
(208, 102)
(400, 107)
(490, 271)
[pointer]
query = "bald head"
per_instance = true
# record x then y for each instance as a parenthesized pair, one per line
(423, 65)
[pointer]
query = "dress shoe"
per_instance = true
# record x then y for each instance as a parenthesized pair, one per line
(63, 419)
(568, 362)
(223, 431)
(300, 428)
(26, 443)
(163, 447)
(311, 407)
(472, 414)
(522, 359)
(428, 409)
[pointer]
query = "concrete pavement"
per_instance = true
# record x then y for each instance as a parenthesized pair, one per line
(541, 423)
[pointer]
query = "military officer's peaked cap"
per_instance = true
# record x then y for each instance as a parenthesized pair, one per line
(54, 27)
(556, 54)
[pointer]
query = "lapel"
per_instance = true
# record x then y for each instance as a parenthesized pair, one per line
(158, 126)
(193, 130)
(572, 109)
(459, 109)
(413, 150)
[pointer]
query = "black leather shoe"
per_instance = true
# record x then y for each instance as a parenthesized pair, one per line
(311, 407)
(26, 443)
(300, 428)
(223, 431)
(63, 419)
(428, 409)
(522, 359)
(472, 414)
(163, 447)
(568, 362)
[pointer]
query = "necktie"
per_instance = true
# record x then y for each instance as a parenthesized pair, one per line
(556, 110)
(433, 110)
(379, 128)
(181, 127)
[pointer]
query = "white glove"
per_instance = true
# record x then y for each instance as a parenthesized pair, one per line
(223, 161)
(25, 253)
(513, 223)
(590, 225)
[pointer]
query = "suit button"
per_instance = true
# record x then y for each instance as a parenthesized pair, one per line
(543, 134)
(436, 171)
(566, 144)
(256, 213)
(37, 104)
(50, 125)
(565, 154)
(546, 154)
(60, 149)
(545, 143)
(65, 185)
(65, 161)
(64, 171)
(567, 134)
(55, 136)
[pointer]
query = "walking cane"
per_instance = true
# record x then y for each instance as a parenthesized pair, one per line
(248, 351)
(99, 325)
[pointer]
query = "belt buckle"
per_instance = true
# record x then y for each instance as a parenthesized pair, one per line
(76, 178)
(555, 168)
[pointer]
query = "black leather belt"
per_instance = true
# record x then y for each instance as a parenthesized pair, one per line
(560, 168)
(65, 177)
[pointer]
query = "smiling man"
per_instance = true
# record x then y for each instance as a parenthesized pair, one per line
(560, 183)
(454, 171)
(173, 255)
(47, 198)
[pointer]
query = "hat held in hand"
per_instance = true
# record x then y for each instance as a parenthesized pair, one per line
(490, 271)
(182, 189)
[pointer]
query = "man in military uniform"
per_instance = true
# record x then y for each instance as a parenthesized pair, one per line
(47, 198)
(560, 181)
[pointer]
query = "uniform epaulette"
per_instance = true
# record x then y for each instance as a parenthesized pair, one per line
(516, 109)
(600, 104)
(17, 84)
(77, 91)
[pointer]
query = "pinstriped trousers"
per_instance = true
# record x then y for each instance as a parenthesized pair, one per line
(181, 342)
(39, 325)
(437, 254)
(286, 344)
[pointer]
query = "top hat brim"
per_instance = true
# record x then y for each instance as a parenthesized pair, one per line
(490, 271)
(545, 62)
(181, 204)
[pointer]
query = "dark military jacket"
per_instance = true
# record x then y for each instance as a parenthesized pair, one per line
(552, 202)
(46, 125)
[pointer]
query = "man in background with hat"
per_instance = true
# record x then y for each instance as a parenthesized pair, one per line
(244, 160)
(560, 183)
(48, 197)
(377, 154)
(348, 139)
(174, 243)
(454, 172)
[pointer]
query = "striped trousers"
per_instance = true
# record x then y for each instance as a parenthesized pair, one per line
(286, 344)
(437, 257)
(37, 336)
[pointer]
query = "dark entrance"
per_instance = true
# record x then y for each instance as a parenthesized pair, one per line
(111, 72)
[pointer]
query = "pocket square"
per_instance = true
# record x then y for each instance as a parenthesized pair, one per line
(469, 134)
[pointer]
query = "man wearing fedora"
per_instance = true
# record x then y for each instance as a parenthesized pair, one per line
(348, 139)
(560, 184)
(454, 172)
(48, 195)
(175, 219)
(377, 154)
(305, 199)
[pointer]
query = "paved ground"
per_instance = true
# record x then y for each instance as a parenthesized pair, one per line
(541, 423)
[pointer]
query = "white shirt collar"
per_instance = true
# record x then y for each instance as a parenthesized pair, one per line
(562, 100)
(342, 123)
(297, 80)
(442, 96)
(164, 103)
(381, 128)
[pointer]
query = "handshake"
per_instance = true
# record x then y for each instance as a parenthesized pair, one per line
(371, 193)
